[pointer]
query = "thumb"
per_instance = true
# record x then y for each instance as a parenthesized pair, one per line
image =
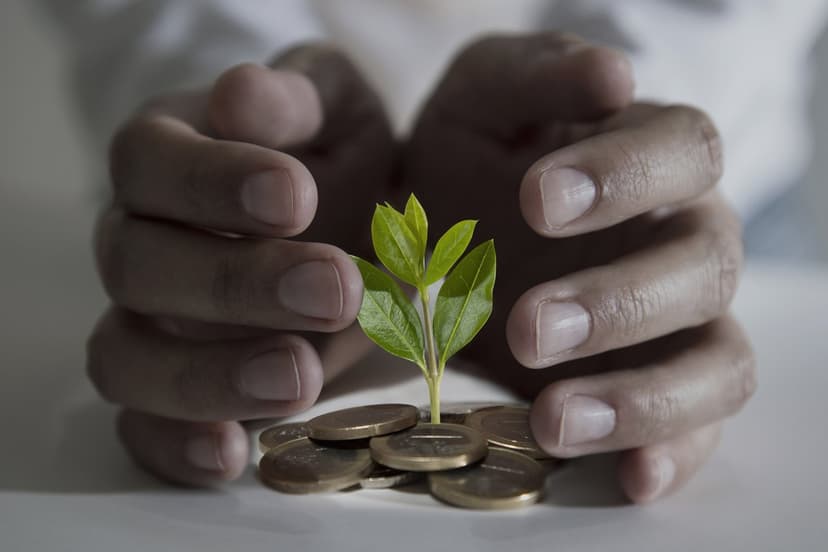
(310, 95)
(501, 84)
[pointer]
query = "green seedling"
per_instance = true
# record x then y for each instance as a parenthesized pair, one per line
(463, 305)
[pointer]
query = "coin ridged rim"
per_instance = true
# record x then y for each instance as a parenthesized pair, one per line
(321, 427)
(383, 454)
(390, 481)
(442, 486)
(531, 449)
(349, 478)
(264, 447)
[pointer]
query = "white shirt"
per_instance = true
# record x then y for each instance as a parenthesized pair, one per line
(743, 61)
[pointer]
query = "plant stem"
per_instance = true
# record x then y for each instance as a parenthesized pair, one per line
(431, 359)
(434, 399)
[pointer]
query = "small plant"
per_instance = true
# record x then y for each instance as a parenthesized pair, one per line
(463, 303)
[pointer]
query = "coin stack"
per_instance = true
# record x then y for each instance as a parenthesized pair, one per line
(485, 458)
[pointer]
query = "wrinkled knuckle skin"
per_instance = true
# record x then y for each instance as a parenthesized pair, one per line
(637, 174)
(627, 311)
(744, 378)
(655, 413)
(726, 259)
(709, 142)
(195, 393)
(203, 180)
(230, 289)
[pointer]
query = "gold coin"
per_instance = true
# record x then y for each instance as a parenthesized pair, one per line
(507, 427)
(361, 422)
(304, 466)
(505, 479)
(383, 477)
(429, 447)
(274, 436)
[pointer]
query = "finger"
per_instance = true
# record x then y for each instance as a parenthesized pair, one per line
(311, 94)
(134, 364)
(271, 108)
(670, 157)
(654, 471)
(502, 84)
(687, 279)
(189, 453)
(700, 377)
(347, 138)
(160, 269)
(162, 167)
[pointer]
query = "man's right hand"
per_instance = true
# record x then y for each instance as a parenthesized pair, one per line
(208, 293)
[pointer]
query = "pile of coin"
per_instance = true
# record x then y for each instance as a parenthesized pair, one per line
(485, 458)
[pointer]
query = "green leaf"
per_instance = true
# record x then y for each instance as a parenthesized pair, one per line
(417, 221)
(465, 301)
(396, 245)
(387, 316)
(449, 248)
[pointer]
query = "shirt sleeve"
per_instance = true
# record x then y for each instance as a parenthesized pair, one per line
(122, 52)
(746, 63)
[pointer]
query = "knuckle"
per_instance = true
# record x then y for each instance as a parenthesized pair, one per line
(637, 174)
(201, 175)
(744, 378)
(654, 413)
(201, 390)
(709, 142)
(230, 288)
(726, 254)
(628, 310)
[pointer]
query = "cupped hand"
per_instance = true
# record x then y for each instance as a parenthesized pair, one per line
(217, 315)
(617, 256)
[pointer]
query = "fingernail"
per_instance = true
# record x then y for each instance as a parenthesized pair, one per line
(204, 452)
(271, 376)
(559, 327)
(566, 195)
(585, 419)
(268, 197)
(312, 289)
(664, 470)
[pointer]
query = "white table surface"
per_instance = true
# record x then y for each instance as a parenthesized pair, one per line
(65, 484)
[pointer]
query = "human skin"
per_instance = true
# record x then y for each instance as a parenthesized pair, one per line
(617, 257)
(632, 278)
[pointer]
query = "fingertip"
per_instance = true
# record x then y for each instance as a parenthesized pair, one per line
(646, 474)
(278, 194)
(521, 334)
(531, 199)
(309, 374)
(272, 108)
(188, 453)
(351, 286)
(544, 421)
(234, 450)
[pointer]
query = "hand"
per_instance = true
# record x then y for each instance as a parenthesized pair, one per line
(617, 257)
(209, 297)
